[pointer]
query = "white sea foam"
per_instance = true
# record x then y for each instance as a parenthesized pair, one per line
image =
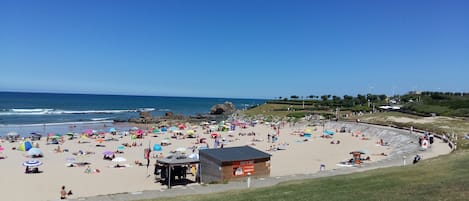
(57, 124)
(45, 111)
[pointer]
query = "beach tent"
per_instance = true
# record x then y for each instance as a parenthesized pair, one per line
(25, 146)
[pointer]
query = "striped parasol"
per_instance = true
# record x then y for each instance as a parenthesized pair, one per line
(32, 163)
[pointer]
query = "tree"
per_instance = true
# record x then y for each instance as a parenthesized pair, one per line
(294, 97)
(382, 97)
(348, 101)
(324, 97)
(361, 99)
(336, 100)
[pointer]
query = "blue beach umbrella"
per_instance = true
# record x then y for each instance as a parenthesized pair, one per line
(120, 147)
(157, 147)
(328, 132)
(32, 163)
(112, 130)
(164, 129)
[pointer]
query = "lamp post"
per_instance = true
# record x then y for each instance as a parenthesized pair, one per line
(302, 97)
(249, 180)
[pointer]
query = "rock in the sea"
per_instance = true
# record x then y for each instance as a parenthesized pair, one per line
(145, 115)
(226, 108)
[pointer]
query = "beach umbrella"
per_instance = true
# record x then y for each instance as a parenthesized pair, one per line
(328, 132)
(25, 146)
(108, 153)
(133, 128)
(70, 134)
(156, 130)
(190, 132)
(119, 159)
(70, 159)
(112, 130)
(100, 140)
(157, 147)
(181, 149)
(88, 131)
(32, 163)
(164, 129)
(308, 130)
(182, 126)
(173, 128)
(34, 152)
(12, 133)
(1, 148)
(120, 147)
(193, 156)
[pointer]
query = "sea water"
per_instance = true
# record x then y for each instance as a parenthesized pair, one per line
(38, 112)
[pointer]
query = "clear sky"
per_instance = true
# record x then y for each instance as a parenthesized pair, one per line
(234, 48)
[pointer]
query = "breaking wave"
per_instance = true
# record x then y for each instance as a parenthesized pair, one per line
(46, 111)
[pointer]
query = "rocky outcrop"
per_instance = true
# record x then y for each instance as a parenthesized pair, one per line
(226, 108)
(145, 117)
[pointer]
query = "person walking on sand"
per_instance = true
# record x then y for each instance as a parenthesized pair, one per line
(63, 193)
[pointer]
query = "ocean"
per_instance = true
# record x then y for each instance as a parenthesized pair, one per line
(36, 112)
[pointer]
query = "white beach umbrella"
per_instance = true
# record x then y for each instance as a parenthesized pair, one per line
(181, 149)
(119, 159)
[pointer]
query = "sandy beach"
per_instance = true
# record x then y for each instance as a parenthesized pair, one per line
(300, 156)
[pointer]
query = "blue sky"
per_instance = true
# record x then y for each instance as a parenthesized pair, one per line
(246, 49)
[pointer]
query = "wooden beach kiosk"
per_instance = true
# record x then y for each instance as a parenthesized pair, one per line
(174, 168)
(233, 163)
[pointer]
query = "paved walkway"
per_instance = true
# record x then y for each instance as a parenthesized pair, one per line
(395, 159)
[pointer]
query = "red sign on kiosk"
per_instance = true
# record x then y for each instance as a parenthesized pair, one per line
(242, 168)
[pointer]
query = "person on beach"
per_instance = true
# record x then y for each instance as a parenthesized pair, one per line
(63, 193)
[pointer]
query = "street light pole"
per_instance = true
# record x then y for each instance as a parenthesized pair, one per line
(302, 97)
